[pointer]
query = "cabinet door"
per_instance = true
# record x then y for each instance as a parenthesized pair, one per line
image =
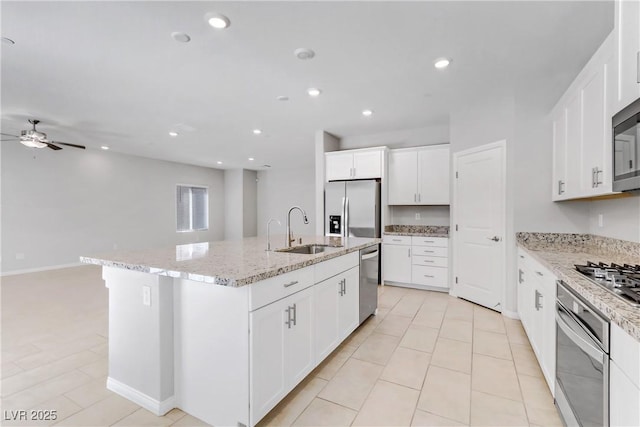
(627, 26)
(367, 164)
(574, 147)
(624, 396)
(268, 384)
(559, 184)
(339, 166)
(326, 295)
(403, 177)
(594, 138)
(525, 293)
(433, 176)
(397, 263)
(548, 332)
(299, 357)
(349, 303)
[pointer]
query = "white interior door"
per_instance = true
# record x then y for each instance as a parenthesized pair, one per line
(479, 215)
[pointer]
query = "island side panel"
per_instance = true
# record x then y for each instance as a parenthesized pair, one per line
(211, 324)
(141, 365)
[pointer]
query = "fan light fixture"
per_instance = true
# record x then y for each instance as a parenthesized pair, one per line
(32, 143)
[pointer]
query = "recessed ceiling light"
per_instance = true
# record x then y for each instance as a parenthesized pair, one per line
(218, 21)
(219, 162)
(442, 63)
(257, 131)
(251, 159)
(181, 37)
(282, 98)
(304, 53)
(314, 91)
(367, 113)
(173, 133)
(104, 147)
(8, 41)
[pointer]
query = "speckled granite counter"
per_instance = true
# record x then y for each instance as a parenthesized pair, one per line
(559, 253)
(229, 263)
(417, 230)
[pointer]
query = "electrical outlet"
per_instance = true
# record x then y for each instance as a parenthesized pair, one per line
(146, 296)
(600, 220)
(417, 215)
(19, 255)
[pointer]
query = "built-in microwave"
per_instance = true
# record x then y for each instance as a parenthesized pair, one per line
(626, 148)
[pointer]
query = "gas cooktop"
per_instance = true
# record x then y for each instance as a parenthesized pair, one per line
(621, 280)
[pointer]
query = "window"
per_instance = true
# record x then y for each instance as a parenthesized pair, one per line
(192, 208)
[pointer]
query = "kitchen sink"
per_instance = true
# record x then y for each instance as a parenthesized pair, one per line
(307, 249)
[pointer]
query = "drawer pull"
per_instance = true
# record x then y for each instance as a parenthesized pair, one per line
(428, 260)
(397, 240)
(429, 276)
(424, 250)
(539, 274)
(295, 282)
(428, 241)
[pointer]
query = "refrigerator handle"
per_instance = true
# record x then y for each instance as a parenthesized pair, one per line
(346, 212)
(342, 218)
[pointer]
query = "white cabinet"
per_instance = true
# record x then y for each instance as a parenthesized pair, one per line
(582, 131)
(627, 35)
(624, 379)
(536, 308)
(354, 164)
(419, 176)
(349, 303)
(397, 262)
(415, 261)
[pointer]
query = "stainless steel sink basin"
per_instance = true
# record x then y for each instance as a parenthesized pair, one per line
(307, 249)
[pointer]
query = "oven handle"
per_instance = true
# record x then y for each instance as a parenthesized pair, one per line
(578, 336)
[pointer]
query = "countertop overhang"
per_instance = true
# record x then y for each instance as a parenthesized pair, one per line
(231, 263)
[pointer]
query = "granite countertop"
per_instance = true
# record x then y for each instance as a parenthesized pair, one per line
(560, 255)
(417, 230)
(228, 263)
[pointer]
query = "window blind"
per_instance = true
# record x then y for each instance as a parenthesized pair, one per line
(192, 211)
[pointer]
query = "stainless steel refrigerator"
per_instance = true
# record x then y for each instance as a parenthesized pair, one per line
(352, 208)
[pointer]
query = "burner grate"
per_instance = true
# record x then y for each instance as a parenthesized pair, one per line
(621, 280)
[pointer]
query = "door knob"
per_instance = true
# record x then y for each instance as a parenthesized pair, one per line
(494, 238)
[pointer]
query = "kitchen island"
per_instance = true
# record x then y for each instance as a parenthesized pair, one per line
(224, 330)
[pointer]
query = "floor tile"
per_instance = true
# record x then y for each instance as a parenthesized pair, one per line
(535, 392)
(407, 367)
(328, 368)
(490, 410)
(358, 336)
(90, 393)
(515, 332)
(525, 360)
(323, 413)
(352, 384)
(393, 325)
(446, 393)
(96, 369)
(286, 412)
(8, 369)
(436, 301)
(388, 405)
(175, 414)
(459, 330)
(45, 390)
(495, 376)
(190, 421)
(420, 338)
(142, 417)
(424, 419)
(488, 320)
(451, 354)
(377, 348)
(459, 311)
(408, 305)
(428, 317)
(103, 413)
(491, 344)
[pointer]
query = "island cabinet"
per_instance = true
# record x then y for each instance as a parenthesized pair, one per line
(624, 379)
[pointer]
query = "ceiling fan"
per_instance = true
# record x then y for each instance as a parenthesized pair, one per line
(36, 139)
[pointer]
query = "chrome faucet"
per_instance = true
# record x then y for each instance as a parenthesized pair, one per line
(290, 238)
(269, 232)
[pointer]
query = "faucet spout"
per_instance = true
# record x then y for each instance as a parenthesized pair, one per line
(290, 238)
(269, 232)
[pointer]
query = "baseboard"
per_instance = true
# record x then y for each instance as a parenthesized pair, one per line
(511, 314)
(148, 403)
(39, 269)
(416, 286)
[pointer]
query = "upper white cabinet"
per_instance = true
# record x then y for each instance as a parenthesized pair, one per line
(354, 164)
(419, 176)
(582, 130)
(627, 32)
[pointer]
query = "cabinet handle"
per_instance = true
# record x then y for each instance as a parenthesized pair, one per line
(520, 274)
(342, 290)
(409, 253)
(429, 252)
(295, 282)
(560, 186)
(539, 274)
(522, 256)
(598, 180)
(344, 286)
(415, 198)
(428, 260)
(593, 178)
(288, 322)
(429, 276)
(397, 240)
(428, 241)
(295, 314)
(419, 198)
(538, 305)
(638, 67)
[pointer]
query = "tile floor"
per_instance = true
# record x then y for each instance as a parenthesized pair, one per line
(427, 359)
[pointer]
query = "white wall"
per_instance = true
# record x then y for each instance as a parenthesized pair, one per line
(249, 203)
(399, 139)
(324, 142)
(621, 218)
(429, 215)
(58, 205)
(233, 200)
(278, 191)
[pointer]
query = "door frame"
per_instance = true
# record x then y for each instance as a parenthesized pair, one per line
(501, 144)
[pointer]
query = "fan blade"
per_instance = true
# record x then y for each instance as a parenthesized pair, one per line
(53, 147)
(16, 139)
(8, 134)
(70, 145)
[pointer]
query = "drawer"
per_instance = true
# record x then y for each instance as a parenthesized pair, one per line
(430, 251)
(430, 276)
(269, 290)
(330, 268)
(442, 242)
(430, 261)
(396, 240)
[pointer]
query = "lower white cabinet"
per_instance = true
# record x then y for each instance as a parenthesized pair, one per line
(416, 261)
(536, 308)
(397, 262)
(624, 379)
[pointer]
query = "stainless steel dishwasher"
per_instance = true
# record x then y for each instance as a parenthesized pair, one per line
(369, 279)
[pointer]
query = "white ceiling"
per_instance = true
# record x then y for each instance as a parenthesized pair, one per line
(109, 73)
